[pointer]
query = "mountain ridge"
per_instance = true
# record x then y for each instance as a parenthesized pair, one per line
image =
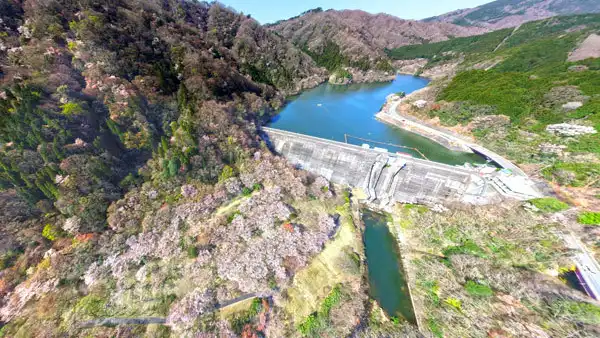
(137, 193)
(511, 13)
(359, 34)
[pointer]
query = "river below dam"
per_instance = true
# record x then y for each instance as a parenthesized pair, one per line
(332, 111)
(387, 282)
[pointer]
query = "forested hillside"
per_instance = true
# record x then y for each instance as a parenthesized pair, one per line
(138, 200)
(124, 126)
(92, 92)
(511, 13)
(357, 39)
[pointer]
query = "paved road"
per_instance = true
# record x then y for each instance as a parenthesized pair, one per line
(452, 137)
(506, 38)
(587, 266)
(160, 320)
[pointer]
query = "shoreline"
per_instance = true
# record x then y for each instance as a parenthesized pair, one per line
(414, 128)
(390, 115)
(415, 75)
(292, 93)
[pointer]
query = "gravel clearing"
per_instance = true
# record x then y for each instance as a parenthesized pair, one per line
(589, 48)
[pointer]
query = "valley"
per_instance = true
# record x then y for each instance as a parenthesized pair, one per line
(178, 169)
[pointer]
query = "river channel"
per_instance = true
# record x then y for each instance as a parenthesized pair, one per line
(387, 282)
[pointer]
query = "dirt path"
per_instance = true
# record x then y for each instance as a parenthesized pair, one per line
(506, 38)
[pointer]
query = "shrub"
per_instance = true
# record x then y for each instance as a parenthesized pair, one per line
(435, 327)
(130, 181)
(173, 166)
(572, 174)
(4, 331)
(71, 108)
(347, 197)
(473, 44)
(246, 191)
(226, 173)
(478, 290)
(432, 289)
(420, 209)
(578, 311)
(310, 325)
(332, 300)
(239, 321)
(468, 248)
(384, 66)
(44, 264)
(318, 321)
(331, 56)
(343, 74)
(455, 303)
(8, 259)
(192, 251)
(92, 306)
(51, 232)
(232, 216)
(549, 204)
(589, 218)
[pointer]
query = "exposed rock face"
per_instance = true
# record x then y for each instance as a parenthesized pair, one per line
(502, 14)
(572, 105)
(589, 48)
(360, 34)
(409, 66)
(565, 97)
(488, 64)
(552, 149)
(447, 69)
(489, 121)
(578, 68)
(359, 76)
(420, 104)
(566, 129)
(336, 79)
(308, 83)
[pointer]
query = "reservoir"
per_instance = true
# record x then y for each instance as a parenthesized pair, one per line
(331, 111)
(387, 284)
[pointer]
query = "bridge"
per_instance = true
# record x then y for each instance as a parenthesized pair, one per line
(388, 177)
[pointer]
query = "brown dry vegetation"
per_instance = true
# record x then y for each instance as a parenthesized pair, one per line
(511, 13)
(476, 271)
(363, 35)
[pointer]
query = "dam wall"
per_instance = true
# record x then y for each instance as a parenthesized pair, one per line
(385, 177)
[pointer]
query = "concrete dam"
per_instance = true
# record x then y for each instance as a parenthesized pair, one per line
(387, 178)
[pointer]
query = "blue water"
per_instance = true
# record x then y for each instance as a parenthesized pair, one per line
(387, 283)
(330, 111)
